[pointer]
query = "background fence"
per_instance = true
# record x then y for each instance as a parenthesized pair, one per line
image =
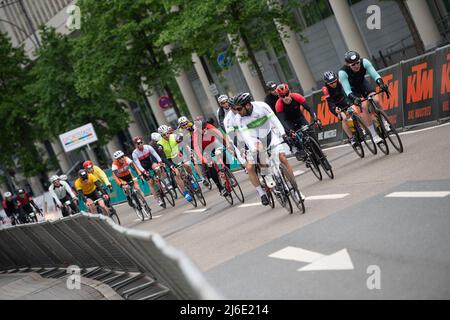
(89, 241)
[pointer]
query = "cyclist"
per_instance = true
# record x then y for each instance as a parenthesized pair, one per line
(337, 101)
(352, 76)
(11, 207)
(205, 139)
(232, 132)
(146, 159)
(98, 173)
(121, 168)
(169, 143)
(256, 124)
(272, 97)
(62, 192)
(89, 189)
(26, 203)
(223, 110)
(290, 113)
(155, 138)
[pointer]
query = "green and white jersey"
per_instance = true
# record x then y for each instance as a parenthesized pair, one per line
(231, 124)
(259, 124)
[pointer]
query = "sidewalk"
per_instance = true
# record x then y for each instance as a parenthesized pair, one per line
(31, 286)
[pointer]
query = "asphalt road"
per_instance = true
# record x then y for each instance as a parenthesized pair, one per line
(399, 247)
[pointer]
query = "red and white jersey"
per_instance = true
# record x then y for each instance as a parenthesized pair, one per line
(144, 156)
(122, 169)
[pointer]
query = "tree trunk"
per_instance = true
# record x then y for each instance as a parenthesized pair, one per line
(418, 43)
(252, 58)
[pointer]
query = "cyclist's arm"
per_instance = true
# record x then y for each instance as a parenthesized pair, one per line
(34, 204)
(119, 181)
(102, 175)
(51, 190)
(155, 154)
(139, 173)
(68, 189)
(300, 99)
(343, 78)
(371, 70)
(137, 162)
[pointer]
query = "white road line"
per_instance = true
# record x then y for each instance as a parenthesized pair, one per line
(195, 210)
(296, 254)
(158, 216)
(328, 196)
(250, 205)
(419, 194)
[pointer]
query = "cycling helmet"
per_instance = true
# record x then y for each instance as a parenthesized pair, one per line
(241, 99)
(351, 56)
(118, 154)
(183, 120)
(88, 164)
(156, 136)
(137, 139)
(7, 194)
(163, 129)
(283, 89)
(270, 85)
(63, 177)
(83, 174)
(21, 191)
(55, 178)
(222, 98)
(329, 77)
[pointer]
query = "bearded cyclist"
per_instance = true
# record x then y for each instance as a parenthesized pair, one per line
(289, 111)
(352, 76)
(337, 100)
(146, 159)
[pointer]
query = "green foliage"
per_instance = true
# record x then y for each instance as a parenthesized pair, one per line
(59, 107)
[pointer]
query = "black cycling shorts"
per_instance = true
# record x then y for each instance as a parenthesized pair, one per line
(94, 195)
(364, 89)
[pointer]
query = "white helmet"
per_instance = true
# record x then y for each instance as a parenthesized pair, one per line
(118, 154)
(63, 177)
(7, 194)
(54, 178)
(163, 129)
(182, 120)
(156, 136)
(222, 98)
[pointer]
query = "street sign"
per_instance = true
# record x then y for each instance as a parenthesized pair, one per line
(223, 61)
(78, 137)
(339, 260)
(170, 114)
(165, 102)
(213, 89)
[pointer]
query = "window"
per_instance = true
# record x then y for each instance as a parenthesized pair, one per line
(315, 11)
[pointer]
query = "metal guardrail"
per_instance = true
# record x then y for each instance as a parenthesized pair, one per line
(94, 241)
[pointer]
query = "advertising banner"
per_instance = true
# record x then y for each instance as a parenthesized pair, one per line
(442, 88)
(78, 137)
(419, 103)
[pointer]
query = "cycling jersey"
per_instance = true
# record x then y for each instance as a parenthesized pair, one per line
(100, 175)
(170, 147)
(145, 158)
(260, 125)
(59, 193)
(231, 124)
(26, 203)
(87, 186)
(291, 115)
(121, 170)
(271, 100)
(206, 140)
(10, 207)
(336, 97)
(355, 82)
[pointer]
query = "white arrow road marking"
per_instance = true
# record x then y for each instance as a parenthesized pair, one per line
(419, 194)
(195, 210)
(339, 260)
(250, 205)
(296, 254)
(328, 196)
(336, 261)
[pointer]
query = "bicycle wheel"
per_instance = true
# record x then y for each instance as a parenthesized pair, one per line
(365, 134)
(167, 194)
(235, 185)
(113, 215)
(322, 159)
(391, 132)
(270, 196)
(382, 145)
(198, 191)
(281, 194)
(292, 187)
(188, 188)
(173, 183)
(225, 183)
(311, 162)
(137, 206)
(144, 205)
(357, 146)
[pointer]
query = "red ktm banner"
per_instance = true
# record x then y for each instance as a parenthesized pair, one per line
(332, 127)
(443, 81)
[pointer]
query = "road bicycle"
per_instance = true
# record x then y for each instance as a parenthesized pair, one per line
(139, 204)
(191, 185)
(315, 156)
(161, 187)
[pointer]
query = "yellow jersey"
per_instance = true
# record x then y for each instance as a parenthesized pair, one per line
(100, 175)
(88, 186)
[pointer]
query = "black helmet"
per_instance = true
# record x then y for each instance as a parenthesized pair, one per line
(241, 99)
(20, 191)
(351, 56)
(83, 174)
(329, 77)
(270, 85)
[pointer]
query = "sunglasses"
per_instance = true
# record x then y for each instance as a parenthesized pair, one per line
(354, 64)
(238, 109)
(285, 95)
(140, 142)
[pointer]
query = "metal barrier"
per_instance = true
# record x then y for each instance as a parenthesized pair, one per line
(94, 241)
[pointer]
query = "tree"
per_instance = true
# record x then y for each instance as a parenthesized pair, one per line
(201, 25)
(58, 105)
(19, 131)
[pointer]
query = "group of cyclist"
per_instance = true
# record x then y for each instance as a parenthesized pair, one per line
(249, 129)
(20, 208)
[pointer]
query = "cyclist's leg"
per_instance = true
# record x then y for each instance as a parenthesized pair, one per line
(214, 176)
(90, 203)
